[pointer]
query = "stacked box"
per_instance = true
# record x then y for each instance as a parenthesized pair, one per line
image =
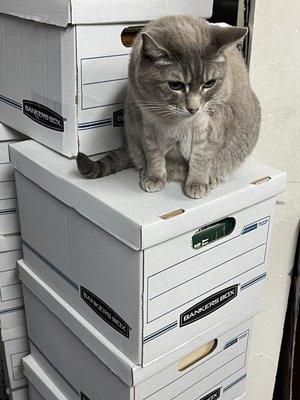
(12, 322)
(77, 371)
(14, 346)
(138, 283)
(63, 79)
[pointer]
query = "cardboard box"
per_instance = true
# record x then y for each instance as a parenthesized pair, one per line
(10, 242)
(20, 394)
(80, 361)
(139, 277)
(14, 346)
(7, 136)
(10, 286)
(9, 217)
(62, 80)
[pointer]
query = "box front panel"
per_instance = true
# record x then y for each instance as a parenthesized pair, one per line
(9, 217)
(13, 351)
(37, 82)
(207, 289)
(10, 291)
(219, 375)
(97, 274)
(103, 65)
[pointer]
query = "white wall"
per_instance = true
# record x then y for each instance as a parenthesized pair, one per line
(275, 76)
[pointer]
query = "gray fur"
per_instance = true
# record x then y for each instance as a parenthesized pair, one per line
(195, 135)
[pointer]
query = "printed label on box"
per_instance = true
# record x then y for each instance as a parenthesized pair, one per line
(83, 396)
(118, 118)
(105, 312)
(43, 115)
(213, 395)
(208, 306)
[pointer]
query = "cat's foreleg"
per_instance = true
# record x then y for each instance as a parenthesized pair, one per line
(154, 177)
(199, 181)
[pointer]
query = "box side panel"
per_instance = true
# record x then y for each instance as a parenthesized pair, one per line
(97, 274)
(34, 394)
(74, 363)
(102, 82)
(212, 286)
(37, 81)
(7, 133)
(20, 394)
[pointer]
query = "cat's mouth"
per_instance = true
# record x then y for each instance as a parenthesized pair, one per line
(180, 112)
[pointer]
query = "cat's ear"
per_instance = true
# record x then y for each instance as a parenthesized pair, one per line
(224, 37)
(153, 51)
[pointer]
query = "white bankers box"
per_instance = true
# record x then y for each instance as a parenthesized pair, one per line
(14, 346)
(63, 70)
(67, 352)
(149, 271)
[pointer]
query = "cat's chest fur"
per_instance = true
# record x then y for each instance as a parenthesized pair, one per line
(178, 140)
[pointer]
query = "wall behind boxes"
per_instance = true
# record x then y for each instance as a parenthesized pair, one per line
(274, 68)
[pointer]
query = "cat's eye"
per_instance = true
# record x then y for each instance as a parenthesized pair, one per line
(209, 84)
(176, 85)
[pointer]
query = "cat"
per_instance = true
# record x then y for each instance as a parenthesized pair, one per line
(190, 113)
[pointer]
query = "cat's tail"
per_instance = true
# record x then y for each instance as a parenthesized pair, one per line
(114, 161)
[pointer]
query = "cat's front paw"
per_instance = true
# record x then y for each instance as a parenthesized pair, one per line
(152, 184)
(196, 190)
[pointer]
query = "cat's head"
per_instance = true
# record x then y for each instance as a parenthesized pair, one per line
(182, 65)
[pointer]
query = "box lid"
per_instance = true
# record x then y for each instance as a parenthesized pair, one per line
(65, 12)
(40, 380)
(118, 205)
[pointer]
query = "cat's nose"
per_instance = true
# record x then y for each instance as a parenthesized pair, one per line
(193, 110)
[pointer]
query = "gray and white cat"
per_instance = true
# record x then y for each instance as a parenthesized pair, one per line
(190, 113)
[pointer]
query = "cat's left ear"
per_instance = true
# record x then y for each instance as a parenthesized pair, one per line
(154, 51)
(224, 37)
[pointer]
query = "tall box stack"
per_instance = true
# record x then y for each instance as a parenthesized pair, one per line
(128, 295)
(14, 344)
(149, 295)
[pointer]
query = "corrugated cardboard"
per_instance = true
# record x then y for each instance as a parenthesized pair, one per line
(64, 12)
(14, 346)
(65, 87)
(132, 274)
(89, 361)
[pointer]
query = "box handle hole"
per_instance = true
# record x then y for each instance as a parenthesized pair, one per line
(211, 233)
(128, 35)
(197, 355)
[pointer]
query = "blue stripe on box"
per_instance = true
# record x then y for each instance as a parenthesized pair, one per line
(10, 102)
(52, 266)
